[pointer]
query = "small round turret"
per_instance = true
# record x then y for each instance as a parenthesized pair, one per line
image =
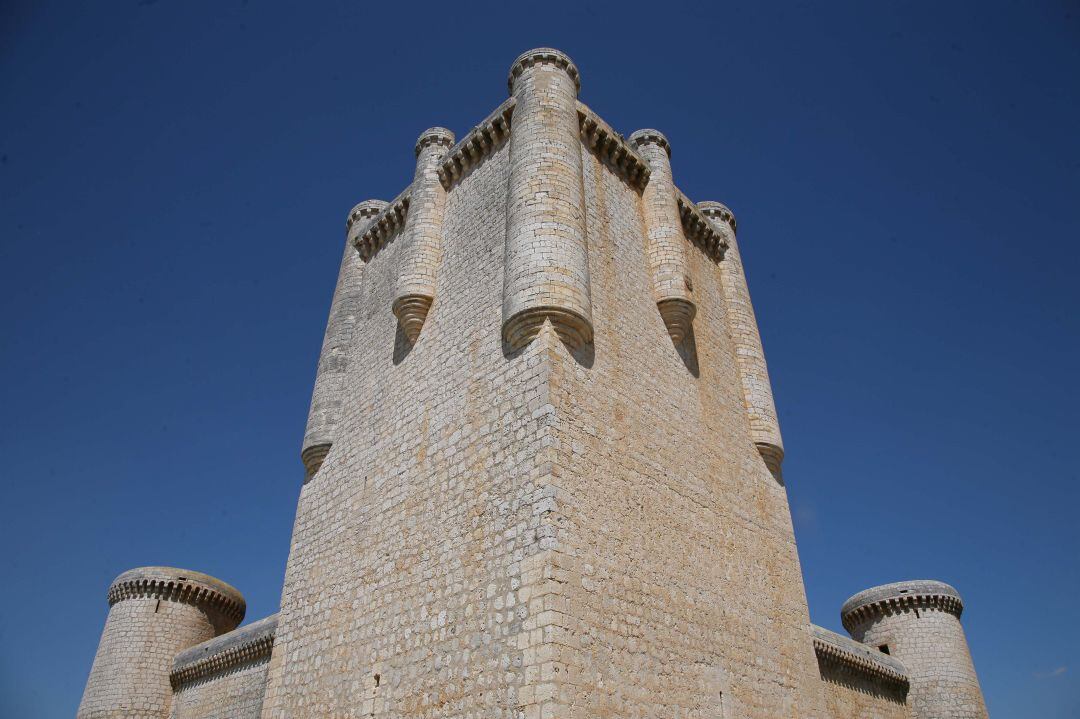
(154, 613)
(918, 622)
(326, 398)
(669, 265)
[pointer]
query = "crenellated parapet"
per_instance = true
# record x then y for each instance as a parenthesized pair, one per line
(859, 658)
(415, 287)
(481, 141)
(383, 226)
(211, 595)
(899, 597)
(546, 271)
(700, 228)
(665, 249)
(239, 648)
(612, 148)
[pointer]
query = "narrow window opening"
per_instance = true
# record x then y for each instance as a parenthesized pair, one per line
(917, 614)
(884, 649)
(376, 681)
(157, 606)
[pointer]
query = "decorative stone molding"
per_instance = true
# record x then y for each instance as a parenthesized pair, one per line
(858, 658)
(699, 229)
(313, 457)
(539, 56)
(612, 148)
(900, 597)
(383, 225)
(481, 141)
(239, 648)
(179, 585)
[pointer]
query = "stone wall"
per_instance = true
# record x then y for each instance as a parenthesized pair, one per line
(224, 678)
(506, 530)
(677, 588)
(401, 592)
(860, 681)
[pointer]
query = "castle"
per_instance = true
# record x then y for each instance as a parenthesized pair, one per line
(542, 474)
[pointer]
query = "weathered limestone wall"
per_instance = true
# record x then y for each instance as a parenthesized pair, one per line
(401, 593)
(919, 621)
(224, 678)
(237, 694)
(850, 695)
(155, 612)
(676, 588)
(860, 682)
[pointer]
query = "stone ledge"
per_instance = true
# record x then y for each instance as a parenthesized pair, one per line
(179, 585)
(858, 657)
(238, 648)
(699, 229)
(612, 148)
(481, 141)
(900, 597)
(383, 225)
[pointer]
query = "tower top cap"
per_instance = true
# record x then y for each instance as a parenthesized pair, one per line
(649, 136)
(434, 136)
(916, 592)
(180, 585)
(364, 210)
(718, 211)
(543, 55)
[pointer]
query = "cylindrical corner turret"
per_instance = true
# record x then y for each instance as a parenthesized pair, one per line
(154, 613)
(326, 398)
(749, 353)
(415, 290)
(666, 246)
(918, 622)
(546, 264)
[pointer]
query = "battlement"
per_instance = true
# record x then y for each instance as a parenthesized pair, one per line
(238, 648)
(179, 585)
(900, 596)
(542, 55)
(858, 657)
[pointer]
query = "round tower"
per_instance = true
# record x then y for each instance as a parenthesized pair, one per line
(918, 622)
(154, 613)
(547, 259)
(326, 398)
(666, 246)
(415, 289)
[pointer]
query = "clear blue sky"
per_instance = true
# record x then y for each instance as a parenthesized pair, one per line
(174, 180)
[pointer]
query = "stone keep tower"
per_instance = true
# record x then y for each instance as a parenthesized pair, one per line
(918, 622)
(543, 463)
(155, 612)
(542, 474)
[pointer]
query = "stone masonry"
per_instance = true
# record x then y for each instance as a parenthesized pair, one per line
(542, 474)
